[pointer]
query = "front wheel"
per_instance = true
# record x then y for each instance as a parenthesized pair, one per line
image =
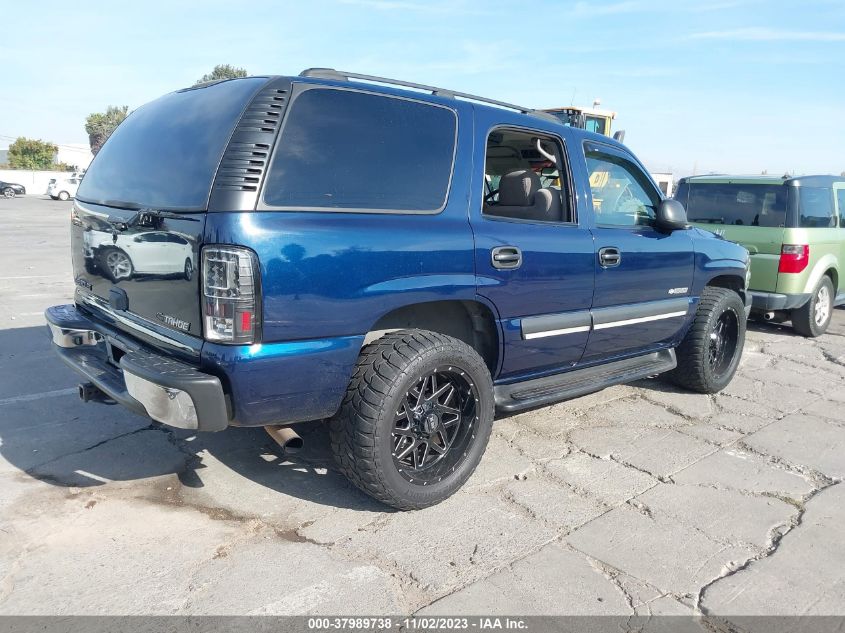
(8, 192)
(63, 195)
(415, 420)
(709, 354)
(189, 269)
(813, 317)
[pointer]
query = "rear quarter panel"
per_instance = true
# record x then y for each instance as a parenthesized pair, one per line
(334, 274)
(825, 254)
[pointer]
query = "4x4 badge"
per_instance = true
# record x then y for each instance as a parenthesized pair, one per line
(172, 321)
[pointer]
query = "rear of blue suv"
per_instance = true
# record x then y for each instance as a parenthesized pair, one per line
(270, 250)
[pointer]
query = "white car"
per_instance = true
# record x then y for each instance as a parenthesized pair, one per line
(151, 253)
(63, 189)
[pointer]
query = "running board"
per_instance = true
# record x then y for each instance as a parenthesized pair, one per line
(579, 382)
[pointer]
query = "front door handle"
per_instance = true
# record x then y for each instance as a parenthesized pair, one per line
(506, 257)
(609, 257)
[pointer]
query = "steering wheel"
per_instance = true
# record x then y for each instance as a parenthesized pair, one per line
(489, 197)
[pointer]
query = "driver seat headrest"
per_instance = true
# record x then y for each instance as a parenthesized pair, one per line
(517, 188)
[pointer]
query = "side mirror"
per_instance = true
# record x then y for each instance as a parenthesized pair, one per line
(671, 216)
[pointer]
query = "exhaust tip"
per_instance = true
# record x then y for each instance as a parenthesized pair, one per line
(294, 445)
(286, 437)
(768, 316)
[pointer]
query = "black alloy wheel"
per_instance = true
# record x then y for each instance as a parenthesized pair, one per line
(434, 424)
(723, 342)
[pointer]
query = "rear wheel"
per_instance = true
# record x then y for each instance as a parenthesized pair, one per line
(189, 269)
(709, 354)
(8, 192)
(813, 317)
(415, 420)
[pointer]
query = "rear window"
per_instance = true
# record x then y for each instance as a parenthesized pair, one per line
(734, 204)
(815, 208)
(165, 154)
(347, 150)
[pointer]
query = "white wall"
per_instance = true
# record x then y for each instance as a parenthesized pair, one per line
(34, 181)
(665, 181)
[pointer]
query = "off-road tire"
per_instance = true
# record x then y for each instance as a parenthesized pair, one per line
(361, 431)
(804, 318)
(694, 370)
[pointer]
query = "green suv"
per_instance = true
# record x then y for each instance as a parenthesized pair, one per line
(794, 229)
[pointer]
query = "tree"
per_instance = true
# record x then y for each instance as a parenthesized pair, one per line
(100, 125)
(28, 153)
(222, 71)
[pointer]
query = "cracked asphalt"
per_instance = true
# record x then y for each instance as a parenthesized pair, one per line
(637, 500)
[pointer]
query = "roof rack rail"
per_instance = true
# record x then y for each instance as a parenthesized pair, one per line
(340, 75)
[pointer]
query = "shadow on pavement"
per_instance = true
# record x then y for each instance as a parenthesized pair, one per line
(48, 433)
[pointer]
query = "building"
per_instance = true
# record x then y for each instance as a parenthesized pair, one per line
(666, 182)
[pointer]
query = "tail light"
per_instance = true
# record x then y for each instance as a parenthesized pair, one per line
(231, 295)
(794, 258)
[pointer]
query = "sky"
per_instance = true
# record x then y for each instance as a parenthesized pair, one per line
(724, 86)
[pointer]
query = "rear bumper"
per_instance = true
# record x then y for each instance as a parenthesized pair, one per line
(147, 383)
(772, 301)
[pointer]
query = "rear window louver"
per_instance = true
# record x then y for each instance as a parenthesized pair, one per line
(247, 156)
(242, 166)
(265, 112)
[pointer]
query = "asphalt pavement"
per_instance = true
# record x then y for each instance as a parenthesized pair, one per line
(637, 500)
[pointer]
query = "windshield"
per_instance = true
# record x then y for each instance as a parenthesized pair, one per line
(734, 203)
(165, 154)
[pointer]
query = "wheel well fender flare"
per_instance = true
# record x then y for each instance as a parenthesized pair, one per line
(826, 264)
(474, 321)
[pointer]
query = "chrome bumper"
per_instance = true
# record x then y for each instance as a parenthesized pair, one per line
(166, 390)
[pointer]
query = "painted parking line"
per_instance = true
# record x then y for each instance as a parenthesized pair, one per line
(61, 276)
(38, 396)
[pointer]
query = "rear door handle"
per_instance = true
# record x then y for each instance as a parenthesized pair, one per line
(609, 257)
(506, 257)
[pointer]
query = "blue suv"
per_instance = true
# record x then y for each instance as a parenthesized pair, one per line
(400, 260)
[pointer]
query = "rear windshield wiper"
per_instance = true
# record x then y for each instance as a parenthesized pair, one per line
(140, 218)
(134, 206)
(171, 215)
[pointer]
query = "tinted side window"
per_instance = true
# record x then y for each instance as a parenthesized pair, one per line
(840, 202)
(737, 204)
(622, 195)
(342, 149)
(815, 208)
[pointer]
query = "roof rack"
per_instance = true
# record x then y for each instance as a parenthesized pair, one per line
(340, 75)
